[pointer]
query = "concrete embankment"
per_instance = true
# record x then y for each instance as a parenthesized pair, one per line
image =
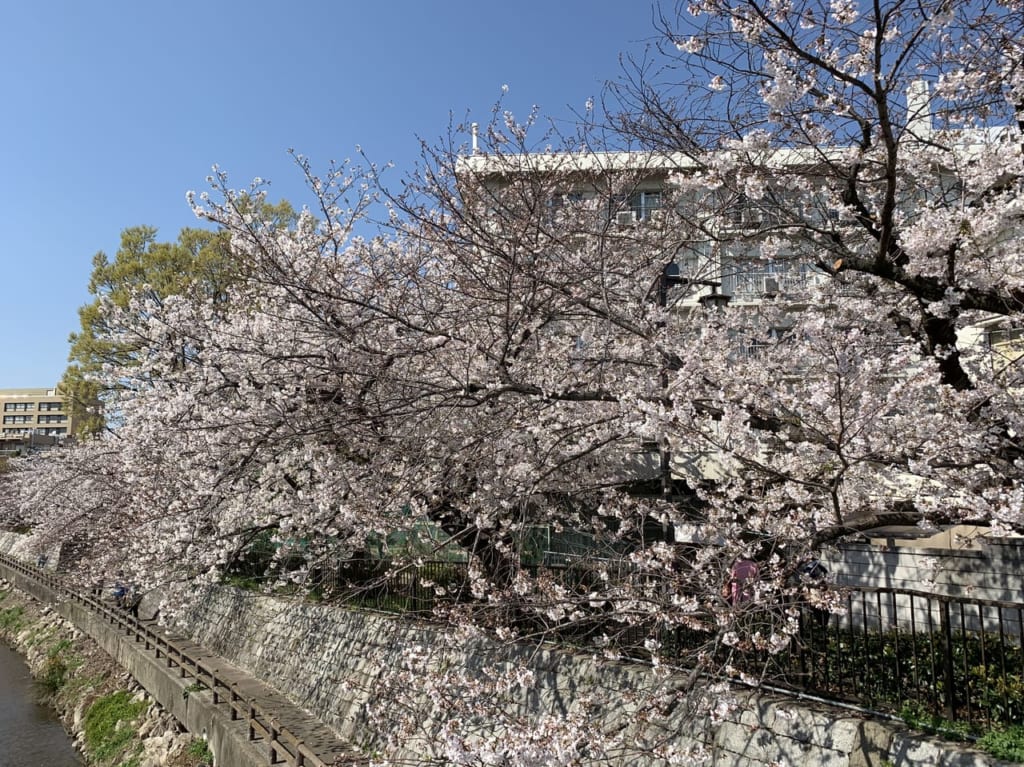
(79, 680)
(243, 721)
(185, 703)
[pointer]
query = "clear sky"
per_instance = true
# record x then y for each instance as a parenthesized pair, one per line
(113, 110)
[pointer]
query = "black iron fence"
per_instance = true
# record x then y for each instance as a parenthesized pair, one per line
(378, 584)
(957, 658)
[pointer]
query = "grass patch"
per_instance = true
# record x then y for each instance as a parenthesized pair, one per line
(76, 686)
(199, 750)
(110, 725)
(12, 619)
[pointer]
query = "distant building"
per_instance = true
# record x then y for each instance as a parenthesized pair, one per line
(31, 413)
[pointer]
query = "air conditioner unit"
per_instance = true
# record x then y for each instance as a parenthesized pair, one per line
(771, 286)
(625, 218)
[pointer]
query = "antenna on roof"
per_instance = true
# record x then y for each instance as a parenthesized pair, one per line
(473, 130)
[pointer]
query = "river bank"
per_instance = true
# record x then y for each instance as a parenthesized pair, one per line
(111, 719)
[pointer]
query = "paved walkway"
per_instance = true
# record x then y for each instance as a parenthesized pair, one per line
(306, 727)
(274, 706)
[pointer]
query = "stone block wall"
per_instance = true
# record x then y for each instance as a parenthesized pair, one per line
(338, 663)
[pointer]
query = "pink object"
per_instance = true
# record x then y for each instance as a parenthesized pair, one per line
(743, 573)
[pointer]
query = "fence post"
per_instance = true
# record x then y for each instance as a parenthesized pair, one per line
(273, 741)
(947, 661)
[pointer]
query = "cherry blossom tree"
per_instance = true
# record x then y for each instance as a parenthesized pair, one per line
(531, 346)
(879, 146)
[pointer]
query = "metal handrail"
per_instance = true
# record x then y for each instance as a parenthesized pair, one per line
(282, 742)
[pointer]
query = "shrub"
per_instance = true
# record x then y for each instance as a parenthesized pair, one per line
(53, 675)
(55, 671)
(1007, 743)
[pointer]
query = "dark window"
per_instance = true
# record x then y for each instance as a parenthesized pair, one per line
(643, 204)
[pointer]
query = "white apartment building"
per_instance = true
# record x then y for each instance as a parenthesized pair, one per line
(635, 197)
(736, 251)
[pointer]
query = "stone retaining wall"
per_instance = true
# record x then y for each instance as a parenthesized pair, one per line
(338, 663)
(345, 666)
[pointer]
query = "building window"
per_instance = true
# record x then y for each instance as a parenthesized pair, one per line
(43, 406)
(58, 431)
(638, 206)
(17, 419)
(59, 418)
(14, 407)
(643, 204)
(1006, 337)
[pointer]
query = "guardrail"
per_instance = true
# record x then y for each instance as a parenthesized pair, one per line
(283, 746)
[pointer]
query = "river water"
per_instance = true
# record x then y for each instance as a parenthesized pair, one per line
(30, 734)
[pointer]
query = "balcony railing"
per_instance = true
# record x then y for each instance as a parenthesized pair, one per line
(747, 285)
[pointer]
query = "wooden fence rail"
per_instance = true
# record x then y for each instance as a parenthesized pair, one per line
(283, 746)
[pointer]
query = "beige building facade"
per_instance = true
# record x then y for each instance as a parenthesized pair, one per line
(27, 413)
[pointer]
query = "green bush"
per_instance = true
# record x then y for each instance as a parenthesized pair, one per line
(53, 675)
(1005, 743)
(56, 669)
(920, 718)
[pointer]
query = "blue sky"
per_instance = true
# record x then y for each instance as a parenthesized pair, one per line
(113, 110)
